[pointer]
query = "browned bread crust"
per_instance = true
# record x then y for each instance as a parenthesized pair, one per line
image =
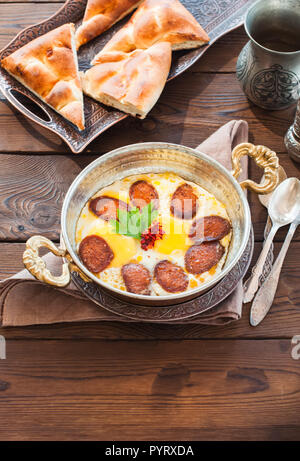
(130, 82)
(48, 67)
(154, 21)
(100, 15)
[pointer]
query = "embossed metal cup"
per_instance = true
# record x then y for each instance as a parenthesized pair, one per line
(268, 66)
(292, 137)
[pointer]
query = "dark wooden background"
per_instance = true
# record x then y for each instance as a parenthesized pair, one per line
(110, 381)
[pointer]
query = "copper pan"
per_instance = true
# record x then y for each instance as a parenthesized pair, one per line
(143, 158)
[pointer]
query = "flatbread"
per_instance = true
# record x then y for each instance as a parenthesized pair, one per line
(156, 21)
(131, 82)
(48, 67)
(100, 15)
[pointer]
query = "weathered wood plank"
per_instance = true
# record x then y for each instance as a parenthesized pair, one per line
(16, 16)
(281, 322)
(32, 189)
(223, 54)
(91, 384)
(190, 109)
(168, 390)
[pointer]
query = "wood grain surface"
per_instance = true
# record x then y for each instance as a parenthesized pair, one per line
(32, 189)
(187, 390)
(110, 381)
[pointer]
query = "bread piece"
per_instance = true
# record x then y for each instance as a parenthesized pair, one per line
(130, 82)
(48, 67)
(154, 21)
(100, 15)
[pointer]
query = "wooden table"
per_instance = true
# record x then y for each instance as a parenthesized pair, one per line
(111, 381)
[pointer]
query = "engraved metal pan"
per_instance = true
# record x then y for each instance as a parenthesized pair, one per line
(155, 158)
(182, 310)
(217, 17)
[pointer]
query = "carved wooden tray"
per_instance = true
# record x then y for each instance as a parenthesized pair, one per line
(217, 17)
(174, 312)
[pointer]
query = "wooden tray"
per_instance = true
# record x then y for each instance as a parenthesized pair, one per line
(217, 17)
(176, 312)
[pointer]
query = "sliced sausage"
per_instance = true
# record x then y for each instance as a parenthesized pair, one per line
(209, 228)
(137, 278)
(141, 193)
(201, 258)
(184, 202)
(171, 277)
(106, 207)
(95, 253)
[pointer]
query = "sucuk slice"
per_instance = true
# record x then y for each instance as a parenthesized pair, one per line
(209, 228)
(184, 202)
(95, 253)
(200, 258)
(106, 207)
(171, 277)
(137, 278)
(141, 193)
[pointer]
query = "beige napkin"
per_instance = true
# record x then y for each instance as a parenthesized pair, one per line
(25, 301)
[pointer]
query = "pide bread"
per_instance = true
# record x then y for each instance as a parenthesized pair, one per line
(129, 73)
(100, 15)
(48, 67)
(155, 21)
(131, 82)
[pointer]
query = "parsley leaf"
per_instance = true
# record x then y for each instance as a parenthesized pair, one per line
(134, 222)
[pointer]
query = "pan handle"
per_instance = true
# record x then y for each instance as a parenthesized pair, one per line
(36, 265)
(265, 158)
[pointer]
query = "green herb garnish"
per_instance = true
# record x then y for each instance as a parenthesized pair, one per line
(134, 222)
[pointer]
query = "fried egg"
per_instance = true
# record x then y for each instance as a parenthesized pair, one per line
(175, 240)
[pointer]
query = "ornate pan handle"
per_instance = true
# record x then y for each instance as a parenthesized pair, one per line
(36, 265)
(265, 158)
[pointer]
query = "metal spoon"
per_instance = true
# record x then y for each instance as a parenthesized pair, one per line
(265, 295)
(283, 209)
(265, 200)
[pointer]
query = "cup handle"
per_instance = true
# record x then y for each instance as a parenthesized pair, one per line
(36, 265)
(265, 158)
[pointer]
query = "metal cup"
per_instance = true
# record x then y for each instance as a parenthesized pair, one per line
(292, 137)
(268, 66)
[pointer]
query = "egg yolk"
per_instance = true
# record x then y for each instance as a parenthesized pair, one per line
(123, 247)
(175, 237)
(193, 284)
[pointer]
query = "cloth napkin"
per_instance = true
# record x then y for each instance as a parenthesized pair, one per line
(25, 301)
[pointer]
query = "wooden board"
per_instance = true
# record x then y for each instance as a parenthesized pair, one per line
(32, 189)
(170, 390)
(110, 381)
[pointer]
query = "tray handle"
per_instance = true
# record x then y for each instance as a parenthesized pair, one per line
(26, 110)
(265, 158)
